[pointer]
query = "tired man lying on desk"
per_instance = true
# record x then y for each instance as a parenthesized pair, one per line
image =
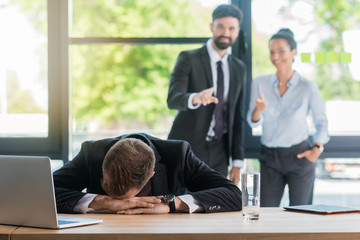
(138, 173)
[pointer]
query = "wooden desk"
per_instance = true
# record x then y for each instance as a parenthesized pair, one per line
(6, 231)
(274, 223)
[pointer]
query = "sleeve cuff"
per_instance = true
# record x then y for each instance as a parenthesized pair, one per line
(254, 124)
(83, 204)
(190, 105)
(238, 163)
(193, 204)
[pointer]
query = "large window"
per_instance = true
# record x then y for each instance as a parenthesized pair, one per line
(28, 102)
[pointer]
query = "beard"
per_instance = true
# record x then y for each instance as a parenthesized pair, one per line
(221, 45)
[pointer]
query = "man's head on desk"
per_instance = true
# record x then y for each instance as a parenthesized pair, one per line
(116, 173)
(127, 167)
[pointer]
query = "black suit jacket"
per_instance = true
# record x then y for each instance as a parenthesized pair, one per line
(192, 74)
(177, 171)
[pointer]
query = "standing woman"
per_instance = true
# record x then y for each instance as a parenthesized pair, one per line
(281, 102)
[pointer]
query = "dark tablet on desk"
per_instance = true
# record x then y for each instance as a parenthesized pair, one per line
(322, 209)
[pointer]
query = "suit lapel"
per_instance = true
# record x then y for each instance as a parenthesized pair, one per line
(232, 84)
(205, 60)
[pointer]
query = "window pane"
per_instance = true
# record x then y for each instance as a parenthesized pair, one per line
(155, 18)
(327, 33)
(118, 89)
(23, 69)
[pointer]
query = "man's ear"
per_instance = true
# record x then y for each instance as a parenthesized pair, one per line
(152, 174)
(211, 27)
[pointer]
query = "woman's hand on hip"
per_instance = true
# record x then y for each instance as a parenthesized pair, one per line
(312, 155)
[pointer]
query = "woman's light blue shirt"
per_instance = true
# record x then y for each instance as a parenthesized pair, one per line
(284, 119)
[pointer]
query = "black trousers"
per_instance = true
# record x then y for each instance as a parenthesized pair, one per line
(214, 153)
(280, 166)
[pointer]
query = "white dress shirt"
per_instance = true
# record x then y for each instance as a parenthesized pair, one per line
(284, 121)
(214, 58)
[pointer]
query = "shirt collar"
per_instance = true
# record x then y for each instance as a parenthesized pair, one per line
(293, 80)
(214, 56)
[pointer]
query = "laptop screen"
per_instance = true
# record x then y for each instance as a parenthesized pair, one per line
(27, 192)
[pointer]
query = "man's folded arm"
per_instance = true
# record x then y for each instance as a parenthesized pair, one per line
(82, 205)
(212, 190)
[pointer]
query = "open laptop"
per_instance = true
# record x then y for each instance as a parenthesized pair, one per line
(27, 194)
(322, 209)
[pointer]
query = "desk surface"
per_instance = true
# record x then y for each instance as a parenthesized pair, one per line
(6, 231)
(274, 223)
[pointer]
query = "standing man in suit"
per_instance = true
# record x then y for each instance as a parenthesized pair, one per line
(138, 173)
(207, 86)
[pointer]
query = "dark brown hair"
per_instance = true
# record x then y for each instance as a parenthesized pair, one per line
(129, 163)
(227, 10)
(286, 34)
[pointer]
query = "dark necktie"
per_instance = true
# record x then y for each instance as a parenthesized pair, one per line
(219, 108)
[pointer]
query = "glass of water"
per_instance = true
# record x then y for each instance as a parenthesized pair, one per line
(250, 186)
